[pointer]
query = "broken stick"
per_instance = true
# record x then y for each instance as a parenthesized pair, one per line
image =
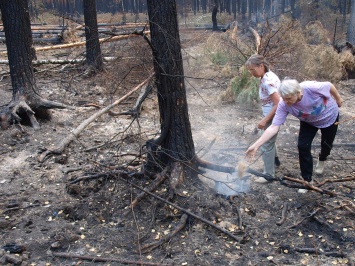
(60, 148)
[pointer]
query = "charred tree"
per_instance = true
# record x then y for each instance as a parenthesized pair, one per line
(93, 50)
(25, 100)
(351, 25)
(214, 18)
(175, 142)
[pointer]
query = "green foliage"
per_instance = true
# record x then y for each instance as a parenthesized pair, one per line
(219, 58)
(245, 88)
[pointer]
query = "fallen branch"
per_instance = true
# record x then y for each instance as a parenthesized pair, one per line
(336, 181)
(101, 259)
(240, 222)
(135, 111)
(215, 167)
(346, 120)
(60, 61)
(206, 149)
(160, 179)
(305, 185)
(314, 251)
(320, 252)
(312, 214)
(185, 211)
(76, 44)
(149, 247)
(60, 148)
(284, 212)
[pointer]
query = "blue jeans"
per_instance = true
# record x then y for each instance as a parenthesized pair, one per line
(305, 139)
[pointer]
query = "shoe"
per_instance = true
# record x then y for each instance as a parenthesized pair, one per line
(261, 180)
(319, 167)
(277, 162)
(302, 190)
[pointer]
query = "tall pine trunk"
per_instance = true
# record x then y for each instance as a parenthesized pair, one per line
(93, 50)
(175, 141)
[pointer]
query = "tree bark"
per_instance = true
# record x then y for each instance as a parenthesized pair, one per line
(20, 52)
(175, 141)
(351, 25)
(93, 50)
(214, 18)
(19, 46)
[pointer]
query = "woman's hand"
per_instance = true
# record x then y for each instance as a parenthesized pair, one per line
(262, 124)
(250, 153)
(339, 102)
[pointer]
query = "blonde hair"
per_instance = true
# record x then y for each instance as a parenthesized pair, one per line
(257, 60)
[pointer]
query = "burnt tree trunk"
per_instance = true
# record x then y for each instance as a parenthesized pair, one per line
(214, 18)
(19, 46)
(351, 26)
(20, 52)
(175, 142)
(93, 50)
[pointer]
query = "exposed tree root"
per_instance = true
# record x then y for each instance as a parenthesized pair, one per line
(19, 106)
(149, 247)
(75, 133)
(10, 113)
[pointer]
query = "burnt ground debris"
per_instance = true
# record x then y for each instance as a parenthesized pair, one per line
(48, 215)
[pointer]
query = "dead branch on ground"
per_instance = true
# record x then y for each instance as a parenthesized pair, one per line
(60, 61)
(149, 247)
(102, 40)
(215, 167)
(314, 251)
(284, 212)
(185, 211)
(305, 185)
(335, 181)
(102, 259)
(159, 180)
(75, 133)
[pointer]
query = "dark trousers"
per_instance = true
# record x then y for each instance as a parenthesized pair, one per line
(305, 138)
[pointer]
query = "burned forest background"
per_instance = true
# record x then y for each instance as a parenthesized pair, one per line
(132, 154)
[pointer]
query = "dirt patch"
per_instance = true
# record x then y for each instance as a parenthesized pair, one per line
(43, 211)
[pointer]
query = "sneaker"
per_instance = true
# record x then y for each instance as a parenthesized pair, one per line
(319, 167)
(261, 180)
(302, 190)
(277, 162)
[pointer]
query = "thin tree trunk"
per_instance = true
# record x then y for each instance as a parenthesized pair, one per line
(351, 25)
(93, 50)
